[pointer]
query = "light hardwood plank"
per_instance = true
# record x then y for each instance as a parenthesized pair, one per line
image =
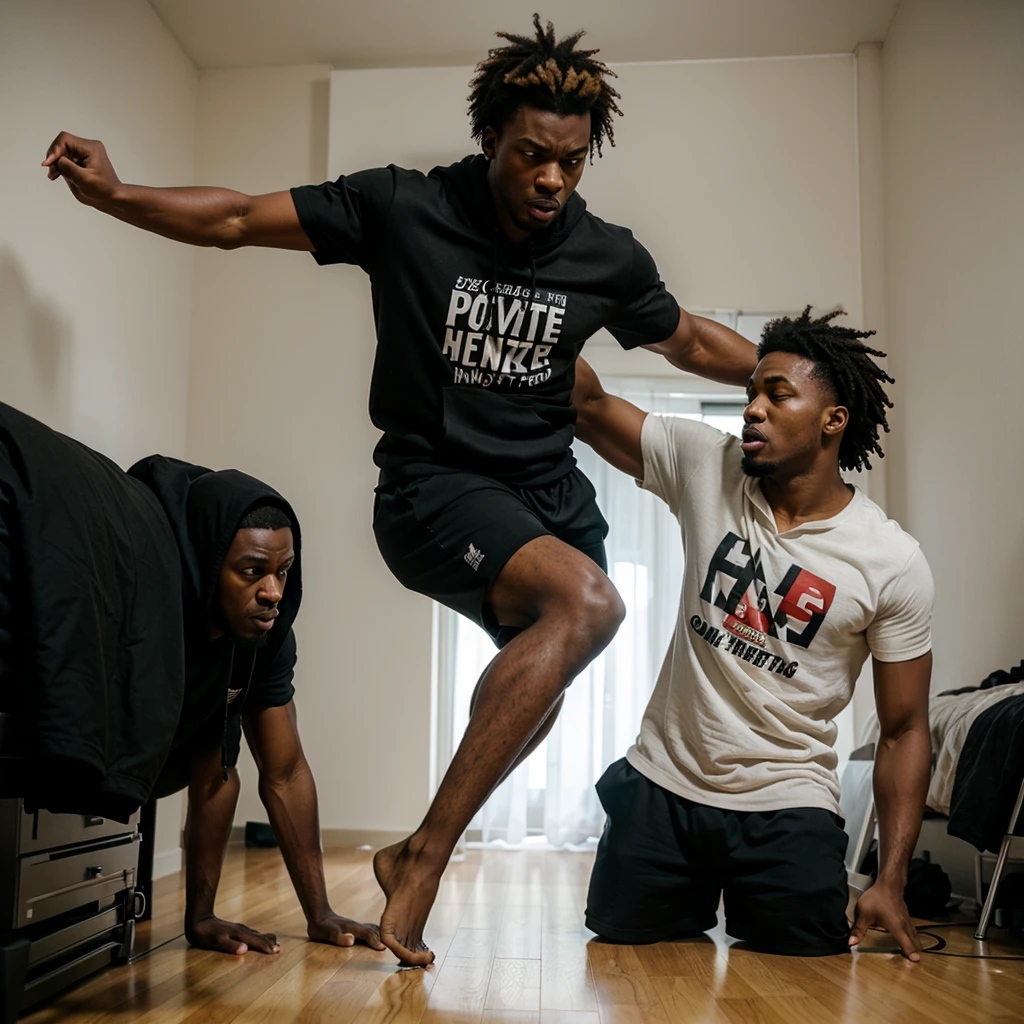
(624, 992)
(512, 948)
(460, 991)
(566, 982)
(514, 985)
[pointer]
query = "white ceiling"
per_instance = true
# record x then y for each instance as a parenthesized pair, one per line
(410, 33)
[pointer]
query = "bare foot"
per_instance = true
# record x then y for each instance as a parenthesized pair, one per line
(341, 931)
(410, 885)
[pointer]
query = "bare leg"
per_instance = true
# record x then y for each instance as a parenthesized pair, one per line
(571, 612)
(535, 740)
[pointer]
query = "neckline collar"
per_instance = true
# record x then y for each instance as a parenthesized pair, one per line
(752, 489)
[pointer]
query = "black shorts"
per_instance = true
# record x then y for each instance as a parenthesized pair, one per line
(449, 536)
(663, 864)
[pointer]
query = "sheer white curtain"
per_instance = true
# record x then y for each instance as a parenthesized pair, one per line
(552, 794)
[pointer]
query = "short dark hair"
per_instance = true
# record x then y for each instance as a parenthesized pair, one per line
(545, 73)
(266, 517)
(842, 362)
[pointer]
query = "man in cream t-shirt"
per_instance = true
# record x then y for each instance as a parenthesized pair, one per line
(792, 579)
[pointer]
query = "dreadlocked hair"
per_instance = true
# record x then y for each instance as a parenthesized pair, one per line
(844, 362)
(545, 73)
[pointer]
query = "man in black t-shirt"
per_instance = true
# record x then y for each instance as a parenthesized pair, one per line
(487, 278)
(240, 547)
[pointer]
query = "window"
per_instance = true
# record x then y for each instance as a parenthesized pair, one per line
(551, 796)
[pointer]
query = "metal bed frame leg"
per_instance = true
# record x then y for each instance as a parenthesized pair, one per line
(1004, 852)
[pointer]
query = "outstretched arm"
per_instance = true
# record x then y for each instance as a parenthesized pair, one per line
(609, 424)
(199, 216)
(709, 349)
(211, 809)
(288, 792)
(902, 769)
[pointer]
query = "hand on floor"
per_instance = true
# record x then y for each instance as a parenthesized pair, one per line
(882, 906)
(340, 931)
(228, 937)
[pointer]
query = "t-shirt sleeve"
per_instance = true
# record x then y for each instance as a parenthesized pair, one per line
(345, 219)
(648, 314)
(674, 448)
(272, 680)
(902, 627)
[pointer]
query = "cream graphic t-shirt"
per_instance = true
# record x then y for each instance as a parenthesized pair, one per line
(773, 629)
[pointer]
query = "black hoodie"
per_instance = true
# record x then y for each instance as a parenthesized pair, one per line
(204, 509)
(477, 338)
(97, 682)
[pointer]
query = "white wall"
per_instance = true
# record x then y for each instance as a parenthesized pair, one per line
(953, 74)
(740, 176)
(280, 373)
(94, 317)
(721, 169)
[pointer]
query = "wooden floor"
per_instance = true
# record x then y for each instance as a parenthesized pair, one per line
(511, 947)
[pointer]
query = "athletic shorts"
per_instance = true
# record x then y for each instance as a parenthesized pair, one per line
(448, 536)
(664, 863)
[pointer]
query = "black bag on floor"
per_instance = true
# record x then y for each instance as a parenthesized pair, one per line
(928, 887)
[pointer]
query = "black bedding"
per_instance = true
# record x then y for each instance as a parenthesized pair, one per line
(988, 775)
(92, 664)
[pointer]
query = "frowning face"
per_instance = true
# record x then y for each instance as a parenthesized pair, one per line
(251, 584)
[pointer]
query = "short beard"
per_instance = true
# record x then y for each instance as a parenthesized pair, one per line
(759, 470)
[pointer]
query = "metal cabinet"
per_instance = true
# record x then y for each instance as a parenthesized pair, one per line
(67, 900)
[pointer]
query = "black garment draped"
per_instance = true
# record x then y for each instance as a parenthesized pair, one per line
(988, 775)
(95, 596)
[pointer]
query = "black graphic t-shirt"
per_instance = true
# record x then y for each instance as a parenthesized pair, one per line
(773, 629)
(477, 338)
(221, 678)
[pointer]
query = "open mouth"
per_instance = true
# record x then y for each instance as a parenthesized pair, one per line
(543, 209)
(753, 440)
(265, 619)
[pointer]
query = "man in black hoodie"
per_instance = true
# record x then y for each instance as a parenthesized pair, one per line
(240, 547)
(144, 621)
(488, 276)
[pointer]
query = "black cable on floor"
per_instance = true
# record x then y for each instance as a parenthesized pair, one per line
(940, 943)
(939, 950)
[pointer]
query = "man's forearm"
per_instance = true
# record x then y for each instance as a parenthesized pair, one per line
(197, 216)
(902, 769)
(292, 808)
(211, 811)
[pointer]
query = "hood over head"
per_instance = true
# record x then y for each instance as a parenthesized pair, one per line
(204, 508)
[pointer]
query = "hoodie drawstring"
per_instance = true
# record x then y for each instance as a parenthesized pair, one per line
(227, 705)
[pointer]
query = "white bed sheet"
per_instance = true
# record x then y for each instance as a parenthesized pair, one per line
(950, 719)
